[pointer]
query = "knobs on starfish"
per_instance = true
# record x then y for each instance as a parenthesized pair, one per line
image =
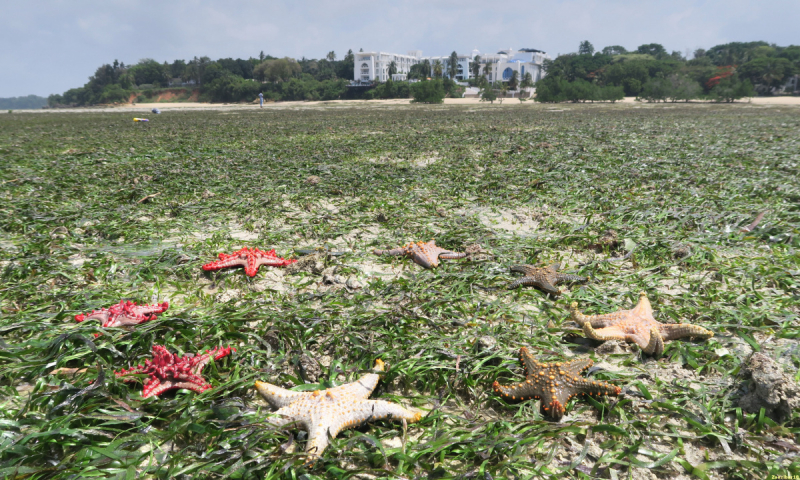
(325, 413)
(250, 259)
(554, 384)
(545, 278)
(124, 314)
(168, 371)
(425, 254)
(636, 325)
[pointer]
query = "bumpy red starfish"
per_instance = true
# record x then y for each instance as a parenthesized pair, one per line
(124, 313)
(554, 383)
(425, 254)
(168, 371)
(250, 259)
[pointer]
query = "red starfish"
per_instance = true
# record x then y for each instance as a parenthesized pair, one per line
(168, 370)
(250, 259)
(124, 313)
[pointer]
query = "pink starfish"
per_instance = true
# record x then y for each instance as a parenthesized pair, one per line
(124, 313)
(168, 370)
(250, 259)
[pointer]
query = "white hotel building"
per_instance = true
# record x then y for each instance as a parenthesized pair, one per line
(372, 66)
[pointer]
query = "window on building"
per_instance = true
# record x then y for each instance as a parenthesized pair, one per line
(507, 73)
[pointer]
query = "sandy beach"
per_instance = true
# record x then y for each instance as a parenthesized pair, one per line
(508, 102)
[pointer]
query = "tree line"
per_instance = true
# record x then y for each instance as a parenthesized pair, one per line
(22, 103)
(222, 80)
(722, 73)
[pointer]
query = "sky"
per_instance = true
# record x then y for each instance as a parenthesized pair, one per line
(50, 46)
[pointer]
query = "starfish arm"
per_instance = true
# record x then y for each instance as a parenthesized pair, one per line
(526, 270)
(372, 410)
(655, 345)
(525, 390)
(276, 396)
(101, 315)
(225, 263)
(528, 362)
(448, 255)
(363, 387)
(562, 277)
(127, 320)
(421, 258)
(392, 253)
(154, 387)
(597, 321)
(145, 310)
(671, 331)
(193, 386)
(536, 282)
(318, 441)
(604, 334)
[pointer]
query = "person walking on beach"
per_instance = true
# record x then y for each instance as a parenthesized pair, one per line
(261, 99)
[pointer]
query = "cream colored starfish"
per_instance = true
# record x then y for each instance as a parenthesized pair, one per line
(426, 254)
(325, 413)
(636, 325)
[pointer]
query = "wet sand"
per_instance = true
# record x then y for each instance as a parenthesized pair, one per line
(508, 102)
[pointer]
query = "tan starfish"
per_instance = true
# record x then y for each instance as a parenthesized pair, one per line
(554, 383)
(636, 325)
(545, 278)
(425, 254)
(325, 413)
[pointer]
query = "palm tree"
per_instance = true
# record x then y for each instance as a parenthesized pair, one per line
(438, 68)
(452, 67)
(514, 80)
(392, 68)
(487, 69)
(475, 66)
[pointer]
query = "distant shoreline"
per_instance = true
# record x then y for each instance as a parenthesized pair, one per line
(508, 102)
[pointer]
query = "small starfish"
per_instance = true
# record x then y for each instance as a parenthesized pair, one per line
(323, 414)
(544, 278)
(250, 259)
(168, 371)
(636, 325)
(425, 254)
(124, 314)
(554, 383)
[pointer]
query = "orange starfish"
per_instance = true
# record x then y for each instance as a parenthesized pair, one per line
(554, 383)
(323, 414)
(425, 254)
(636, 325)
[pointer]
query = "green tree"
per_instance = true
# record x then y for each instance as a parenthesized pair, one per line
(475, 66)
(438, 69)
(149, 71)
(331, 56)
(585, 48)
(487, 69)
(392, 68)
(527, 80)
(767, 72)
(428, 91)
(614, 50)
(655, 49)
(513, 82)
(730, 89)
(487, 93)
(279, 70)
(452, 65)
